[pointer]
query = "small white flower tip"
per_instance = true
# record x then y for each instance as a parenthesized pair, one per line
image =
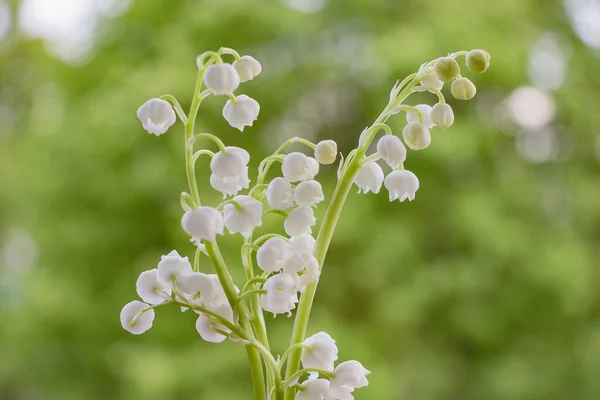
(326, 152)
(308, 193)
(247, 68)
(157, 116)
(221, 79)
(241, 113)
(402, 185)
(279, 194)
(134, 319)
(416, 136)
(391, 150)
(369, 178)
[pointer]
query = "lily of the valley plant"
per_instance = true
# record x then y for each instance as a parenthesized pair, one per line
(281, 271)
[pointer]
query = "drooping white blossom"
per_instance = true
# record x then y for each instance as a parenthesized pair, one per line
(302, 243)
(279, 194)
(348, 376)
(310, 273)
(308, 193)
(425, 110)
(247, 68)
(197, 286)
(416, 136)
(221, 79)
(369, 178)
(230, 186)
(320, 352)
(314, 389)
(326, 152)
(391, 150)
(203, 223)
(150, 289)
(281, 296)
(157, 116)
(232, 164)
(299, 167)
(207, 326)
(299, 221)
(273, 254)
(242, 112)
(298, 261)
(245, 218)
(402, 185)
(442, 115)
(171, 267)
(134, 319)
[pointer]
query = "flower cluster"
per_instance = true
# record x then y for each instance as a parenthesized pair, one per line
(281, 270)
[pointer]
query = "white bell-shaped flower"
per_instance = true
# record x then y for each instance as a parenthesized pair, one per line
(442, 115)
(157, 116)
(273, 254)
(402, 184)
(203, 223)
(349, 374)
(299, 167)
(197, 286)
(247, 68)
(391, 150)
(230, 186)
(221, 79)
(310, 273)
(207, 326)
(134, 319)
(232, 164)
(320, 352)
(302, 243)
(416, 136)
(281, 296)
(245, 218)
(308, 193)
(151, 289)
(369, 178)
(171, 267)
(279, 194)
(425, 110)
(326, 152)
(314, 389)
(298, 262)
(299, 221)
(242, 112)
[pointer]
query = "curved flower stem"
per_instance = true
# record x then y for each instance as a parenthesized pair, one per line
(291, 380)
(286, 354)
(176, 106)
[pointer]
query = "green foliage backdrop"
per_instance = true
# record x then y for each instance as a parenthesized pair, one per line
(484, 288)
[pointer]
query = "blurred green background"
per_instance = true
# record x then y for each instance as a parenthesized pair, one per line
(484, 288)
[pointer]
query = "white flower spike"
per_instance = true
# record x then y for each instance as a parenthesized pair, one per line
(348, 375)
(416, 136)
(320, 352)
(279, 194)
(221, 79)
(391, 150)
(299, 167)
(203, 223)
(299, 221)
(402, 185)
(244, 219)
(247, 68)
(134, 319)
(171, 267)
(273, 254)
(150, 289)
(242, 112)
(308, 193)
(369, 178)
(157, 116)
(281, 297)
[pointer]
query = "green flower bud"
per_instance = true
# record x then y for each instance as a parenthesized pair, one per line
(442, 115)
(478, 61)
(446, 69)
(416, 136)
(463, 89)
(326, 152)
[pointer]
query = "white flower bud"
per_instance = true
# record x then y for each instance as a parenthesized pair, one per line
(299, 221)
(391, 150)
(157, 116)
(273, 254)
(247, 68)
(369, 178)
(416, 136)
(431, 81)
(279, 194)
(231, 164)
(478, 60)
(245, 219)
(221, 79)
(463, 89)
(326, 152)
(320, 353)
(308, 193)
(230, 186)
(402, 184)
(281, 296)
(207, 326)
(442, 115)
(150, 289)
(203, 223)
(171, 267)
(349, 374)
(446, 69)
(241, 113)
(315, 389)
(303, 243)
(298, 167)
(134, 319)
(425, 110)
